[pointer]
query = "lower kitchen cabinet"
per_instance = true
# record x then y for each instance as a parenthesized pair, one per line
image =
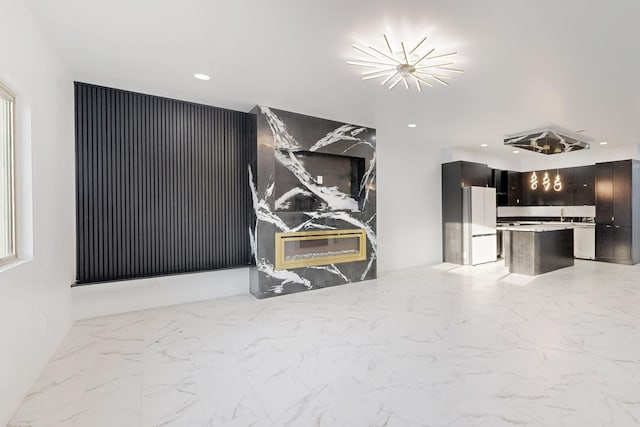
(622, 244)
(614, 244)
(604, 242)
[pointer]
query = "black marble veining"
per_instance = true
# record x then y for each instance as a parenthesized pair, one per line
(310, 174)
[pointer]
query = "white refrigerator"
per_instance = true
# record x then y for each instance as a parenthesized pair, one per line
(479, 243)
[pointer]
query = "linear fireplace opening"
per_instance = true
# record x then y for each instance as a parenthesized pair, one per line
(322, 247)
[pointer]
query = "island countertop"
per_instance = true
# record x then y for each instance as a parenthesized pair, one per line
(544, 227)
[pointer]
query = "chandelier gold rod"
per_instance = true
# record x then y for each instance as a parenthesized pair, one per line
(421, 80)
(362, 63)
(442, 76)
(418, 84)
(440, 80)
(454, 70)
(443, 55)
(364, 51)
(388, 44)
(378, 71)
(433, 66)
(404, 52)
(423, 58)
(384, 54)
(388, 79)
(418, 45)
(395, 83)
(375, 76)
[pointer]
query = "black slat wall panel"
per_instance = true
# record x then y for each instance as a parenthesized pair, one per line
(161, 185)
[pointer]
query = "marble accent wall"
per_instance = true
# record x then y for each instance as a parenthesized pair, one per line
(293, 151)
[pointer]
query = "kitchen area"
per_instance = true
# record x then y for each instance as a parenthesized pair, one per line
(541, 220)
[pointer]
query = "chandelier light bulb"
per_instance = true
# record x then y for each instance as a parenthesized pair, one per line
(557, 183)
(405, 66)
(546, 181)
(534, 181)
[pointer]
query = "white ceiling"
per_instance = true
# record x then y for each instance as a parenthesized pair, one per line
(528, 64)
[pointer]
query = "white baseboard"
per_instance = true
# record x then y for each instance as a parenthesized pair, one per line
(103, 299)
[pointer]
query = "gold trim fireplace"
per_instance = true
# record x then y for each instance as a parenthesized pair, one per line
(320, 247)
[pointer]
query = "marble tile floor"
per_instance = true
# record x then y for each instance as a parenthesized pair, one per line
(438, 346)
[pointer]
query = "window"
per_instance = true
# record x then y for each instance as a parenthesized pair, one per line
(7, 205)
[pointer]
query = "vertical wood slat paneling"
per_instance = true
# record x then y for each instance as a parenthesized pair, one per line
(161, 185)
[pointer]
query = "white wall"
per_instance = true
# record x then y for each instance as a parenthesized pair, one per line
(409, 200)
(103, 299)
(505, 162)
(35, 310)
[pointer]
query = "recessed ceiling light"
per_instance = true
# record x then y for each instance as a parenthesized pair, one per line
(516, 151)
(201, 76)
(604, 143)
(484, 145)
(412, 125)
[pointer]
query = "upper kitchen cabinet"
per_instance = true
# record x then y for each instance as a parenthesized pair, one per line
(514, 188)
(474, 174)
(604, 193)
(622, 194)
(618, 211)
(575, 187)
(533, 193)
(563, 194)
(500, 182)
(583, 186)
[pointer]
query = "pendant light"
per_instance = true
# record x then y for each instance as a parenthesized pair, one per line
(557, 183)
(546, 181)
(534, 181)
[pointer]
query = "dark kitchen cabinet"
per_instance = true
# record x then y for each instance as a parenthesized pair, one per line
(622, 247)
(456, 175)
(500, 181)
(613, 244)
(618, 211)
(604, 193)
(583, 186)
(514, 188)
(474, 174)
(604, 242)
(565, 196)
(531, 196)
(576, 187)
(622, 196)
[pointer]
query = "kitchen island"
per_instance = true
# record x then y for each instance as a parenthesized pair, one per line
(539, 248)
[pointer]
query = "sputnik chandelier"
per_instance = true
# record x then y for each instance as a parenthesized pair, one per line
(405, 66)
